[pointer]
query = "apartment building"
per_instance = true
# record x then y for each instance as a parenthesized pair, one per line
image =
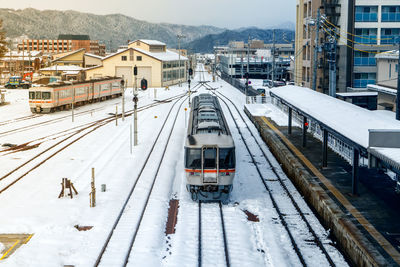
(362, 28)
(64, 43)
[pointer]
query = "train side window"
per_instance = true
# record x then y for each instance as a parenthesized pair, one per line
(46, 95)
(193, 158)
(38, 95)
(31, 95)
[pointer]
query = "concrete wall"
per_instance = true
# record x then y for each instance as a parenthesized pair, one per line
(386, 66)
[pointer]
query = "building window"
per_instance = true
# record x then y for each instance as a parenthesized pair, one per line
(364, 59)
(366, 36)
(366, 13)
(390, 13)
(389, 35)
(139, 58)
(131, 55)
(138, 43)
(390, 71)
(362, 79)
(123, 58)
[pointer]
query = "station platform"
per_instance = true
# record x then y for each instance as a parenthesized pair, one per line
(369, 221)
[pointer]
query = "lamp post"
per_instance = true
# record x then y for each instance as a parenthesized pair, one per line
(179, 36)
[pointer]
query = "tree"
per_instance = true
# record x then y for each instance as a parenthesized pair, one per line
(3, 42)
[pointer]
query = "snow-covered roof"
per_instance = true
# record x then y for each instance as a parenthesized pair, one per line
(347, 119)
(381, 89)
(62, 68)
(116, 53)
(394, 54)
(149, 42)
(69, 53)
(168, 55)
(93, 55)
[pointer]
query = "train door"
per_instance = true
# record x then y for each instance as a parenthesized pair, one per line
(91, 92)
(209, 164)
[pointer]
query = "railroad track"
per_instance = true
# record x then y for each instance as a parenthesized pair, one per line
(125, 228)
(56, 120)
(207, 228)
(74, 130)
(298, 243)
(12, 177)
(20, 119)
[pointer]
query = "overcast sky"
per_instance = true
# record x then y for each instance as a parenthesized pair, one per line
(222, 13)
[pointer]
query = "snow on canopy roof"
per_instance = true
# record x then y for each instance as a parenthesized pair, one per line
(347, 119)
(357, 94)
(163, 56)
(382, 89)
(391, 155)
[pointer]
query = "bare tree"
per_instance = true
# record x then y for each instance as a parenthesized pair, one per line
(3, 42)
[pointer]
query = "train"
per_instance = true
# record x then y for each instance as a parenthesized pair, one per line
(209, 152)
(61, 95)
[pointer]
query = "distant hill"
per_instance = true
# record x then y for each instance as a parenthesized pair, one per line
(117, 28)
(205, 44)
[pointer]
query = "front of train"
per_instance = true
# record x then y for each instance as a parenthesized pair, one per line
(210, 166)
(41, 99)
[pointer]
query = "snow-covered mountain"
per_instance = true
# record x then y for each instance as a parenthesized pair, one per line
(114, 29)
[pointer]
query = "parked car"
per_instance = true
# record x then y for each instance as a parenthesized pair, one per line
(261, 91)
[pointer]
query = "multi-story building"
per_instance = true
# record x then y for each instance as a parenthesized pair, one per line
(362, 28)
(155, 63)
(64, 43)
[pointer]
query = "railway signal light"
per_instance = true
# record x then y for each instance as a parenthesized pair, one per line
(135, 71)
(190, 71)
(246, 75)
(143, 84)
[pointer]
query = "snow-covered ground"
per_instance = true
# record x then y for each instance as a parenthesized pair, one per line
(32, 204)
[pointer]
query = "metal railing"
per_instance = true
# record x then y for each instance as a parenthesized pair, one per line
(341, 148)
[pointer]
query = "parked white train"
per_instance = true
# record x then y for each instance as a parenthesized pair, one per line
(209, 151)
(61, 95)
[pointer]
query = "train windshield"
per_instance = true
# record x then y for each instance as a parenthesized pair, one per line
(226, 158)
(193, 158)
(46, 95)
(31, 95)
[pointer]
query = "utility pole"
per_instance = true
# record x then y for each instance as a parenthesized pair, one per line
(135, 100)
(332, 67)
(398, 88)
(73, 100)
(248, 55)
(179, 36)
(123, 98)
(316, 50)
(215, 64)
(241, 61)
(273, 57)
